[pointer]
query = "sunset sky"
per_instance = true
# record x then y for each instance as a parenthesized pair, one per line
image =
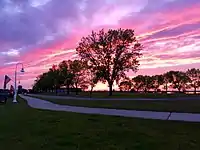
(40, 33)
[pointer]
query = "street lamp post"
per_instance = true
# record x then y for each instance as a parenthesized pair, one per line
(22, 70)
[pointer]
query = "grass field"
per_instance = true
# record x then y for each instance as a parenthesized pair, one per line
(128, 95)
(23, 128)
(133, 95)
(153, 105)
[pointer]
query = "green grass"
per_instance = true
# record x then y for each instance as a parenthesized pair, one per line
(129, 95)
(133, 95)
(152, 105)
(24, 128)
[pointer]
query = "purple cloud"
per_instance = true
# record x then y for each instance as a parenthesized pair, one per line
(173, 32)
(42, 32)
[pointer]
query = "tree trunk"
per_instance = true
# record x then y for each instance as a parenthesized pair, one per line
(156, 90)
(68, 89)
(91, 91)
(179, 88)
(56, 91)
(110, 89)
(195, 90)
(76, 89)
(166, 88)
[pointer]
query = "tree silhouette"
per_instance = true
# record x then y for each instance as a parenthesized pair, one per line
(40, 83)
(148, 83)
(194, 75)
(48, 80)
(66, 75)
(125, 85)
(168, 78)
(178, 79)
(92, 79)
(80, 71)
(139, 82)
(110, 54)
(157, 81)
(54, 78)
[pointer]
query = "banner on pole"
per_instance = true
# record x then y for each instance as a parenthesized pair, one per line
(6, 81)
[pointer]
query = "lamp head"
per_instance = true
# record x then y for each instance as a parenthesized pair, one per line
(22, 70)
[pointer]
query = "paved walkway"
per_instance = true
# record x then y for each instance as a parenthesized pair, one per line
(87, 98)
(42, 104)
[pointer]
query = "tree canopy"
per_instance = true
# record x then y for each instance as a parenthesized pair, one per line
(77, 74)
(194, 75)
(107, 56)
(67, 73)
(110, 54)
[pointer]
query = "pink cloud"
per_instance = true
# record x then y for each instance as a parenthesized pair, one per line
(171, 38)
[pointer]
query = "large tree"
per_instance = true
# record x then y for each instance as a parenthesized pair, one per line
(157, 81)
(143, 83)
(79, 69)
(178, 79)
(138, 83)
(125, 85)
(194, 75)
(149, 83)
(111, 54)
(168, 79)
(41, 83)
(53, 78)
(49, 80)
(92, 79)
(66, 74)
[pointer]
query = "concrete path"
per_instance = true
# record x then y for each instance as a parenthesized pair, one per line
(87, 98)
(42, 104)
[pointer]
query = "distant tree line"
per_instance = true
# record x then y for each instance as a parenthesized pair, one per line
(107, 57)
(178, 80)
(70, 74)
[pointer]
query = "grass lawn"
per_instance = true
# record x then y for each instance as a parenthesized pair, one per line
(172, 106)
(24, 128)
(128, 95)
(133, 95)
